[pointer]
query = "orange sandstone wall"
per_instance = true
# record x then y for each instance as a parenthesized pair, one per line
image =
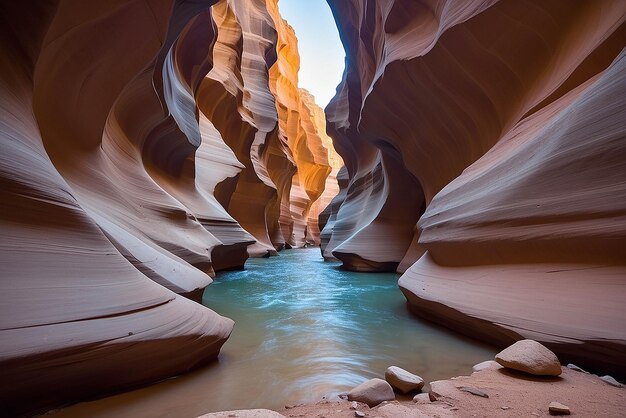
(499, 125)
(302, 128)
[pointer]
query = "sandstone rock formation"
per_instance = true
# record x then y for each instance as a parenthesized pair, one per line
(140, 153)
(500, 125)
(251, 95)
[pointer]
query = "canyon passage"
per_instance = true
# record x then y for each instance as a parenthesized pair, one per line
(152, 149)
(305, 329)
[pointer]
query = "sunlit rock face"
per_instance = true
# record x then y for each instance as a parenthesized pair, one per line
(302, 130)
(251, 95)
(141, 151)
(500, 126)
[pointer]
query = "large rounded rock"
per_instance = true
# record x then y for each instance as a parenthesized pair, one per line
(531, 357)
(403, 380)
(372, 392)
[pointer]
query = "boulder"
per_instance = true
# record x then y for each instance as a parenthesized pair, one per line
(372, 392)
(403, 380)
(529, 356)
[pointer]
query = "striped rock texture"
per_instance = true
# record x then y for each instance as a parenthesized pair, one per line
(142, 150)
(485, 153)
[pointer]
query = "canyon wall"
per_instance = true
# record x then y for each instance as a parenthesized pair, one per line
(499, 125)
(145, 145)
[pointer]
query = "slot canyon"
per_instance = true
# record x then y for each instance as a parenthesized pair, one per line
(186, 229)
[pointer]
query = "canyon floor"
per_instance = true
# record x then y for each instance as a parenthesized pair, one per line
(510, 395)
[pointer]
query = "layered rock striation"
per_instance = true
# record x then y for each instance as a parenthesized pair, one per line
(141, 152)
(500, 126)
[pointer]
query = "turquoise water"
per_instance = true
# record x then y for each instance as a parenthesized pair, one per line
(304, 329)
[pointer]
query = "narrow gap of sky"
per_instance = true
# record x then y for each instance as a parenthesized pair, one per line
(322, 58)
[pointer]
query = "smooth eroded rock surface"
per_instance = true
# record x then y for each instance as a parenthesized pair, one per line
(131, 174)
(484, 157)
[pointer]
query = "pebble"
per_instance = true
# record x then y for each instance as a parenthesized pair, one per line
(485, 365)
(354, 405)
(576, 368)
(556, 408)
(611, 381)
(359, 414)
(473, 391)
(504, 408)
(421, 398)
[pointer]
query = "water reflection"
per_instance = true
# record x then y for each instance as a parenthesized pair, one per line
(304, 329)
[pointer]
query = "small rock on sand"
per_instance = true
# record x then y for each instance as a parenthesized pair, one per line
(354, 405)
(531, 357)
(473, 391)
(611, 381)
(359, 414)
(403, 380)
(556, 408)
(372, 392)
(485, 365)
(576, 368)
(421, 398)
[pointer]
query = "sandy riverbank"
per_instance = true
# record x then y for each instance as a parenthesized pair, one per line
(510, 394)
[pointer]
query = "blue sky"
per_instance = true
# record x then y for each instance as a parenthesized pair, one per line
(321, 53)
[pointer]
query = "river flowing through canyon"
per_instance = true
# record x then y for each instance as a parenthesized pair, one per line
(304, 329)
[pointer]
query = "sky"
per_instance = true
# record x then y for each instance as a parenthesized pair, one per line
(321, 53)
